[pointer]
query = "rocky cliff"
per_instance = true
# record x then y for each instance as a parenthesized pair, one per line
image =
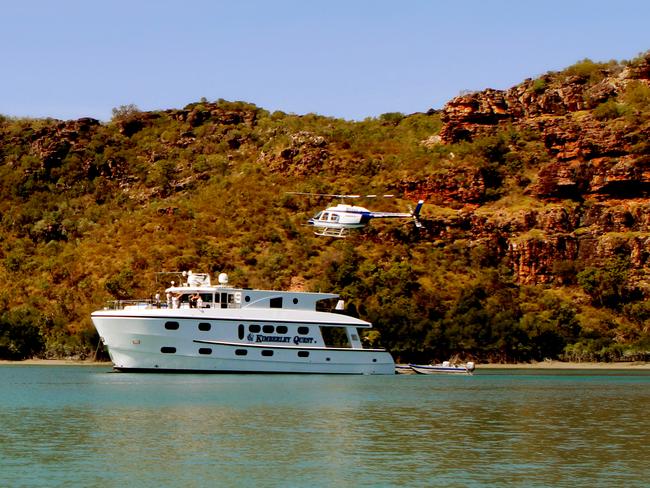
(587, 186)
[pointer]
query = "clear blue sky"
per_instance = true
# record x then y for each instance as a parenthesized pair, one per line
(344, 58)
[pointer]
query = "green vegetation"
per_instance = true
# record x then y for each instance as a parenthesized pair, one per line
(90, 212)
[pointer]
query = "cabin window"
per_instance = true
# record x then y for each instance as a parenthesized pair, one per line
(281, 329)
(204, 326)
(335, 337)
(303, 330)
(295, 301)
(171, 325)
(240, 331)
(276, 302)
(207, 299)
(168, 350)
(247, 298)
(268, 329)
(254, 328)
(303, 354)
(205, 350)
(241, 352)
(267, 352)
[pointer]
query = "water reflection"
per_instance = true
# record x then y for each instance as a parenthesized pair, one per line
(88, 427)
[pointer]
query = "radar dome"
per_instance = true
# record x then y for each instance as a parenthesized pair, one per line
(223, 279)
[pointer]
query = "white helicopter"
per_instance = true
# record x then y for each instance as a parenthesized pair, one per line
(337, 221)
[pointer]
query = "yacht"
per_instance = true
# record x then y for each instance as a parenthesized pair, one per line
(199, 327)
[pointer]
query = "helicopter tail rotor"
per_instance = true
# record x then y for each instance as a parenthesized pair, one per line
(416, 214)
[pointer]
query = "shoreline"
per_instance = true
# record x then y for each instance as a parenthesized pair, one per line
(631, 365)
(56, 362)
(627, 365)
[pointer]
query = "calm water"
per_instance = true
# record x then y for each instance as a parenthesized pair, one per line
(86, 426)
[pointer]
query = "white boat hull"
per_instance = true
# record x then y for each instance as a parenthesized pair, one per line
(144, 344)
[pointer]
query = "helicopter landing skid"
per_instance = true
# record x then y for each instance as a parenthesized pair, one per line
(332, 232)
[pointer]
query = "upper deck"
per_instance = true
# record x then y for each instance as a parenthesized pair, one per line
(198, 292)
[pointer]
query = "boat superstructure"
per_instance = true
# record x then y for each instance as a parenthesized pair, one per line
(200, 327)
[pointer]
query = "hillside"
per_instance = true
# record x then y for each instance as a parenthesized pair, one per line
(536, 222)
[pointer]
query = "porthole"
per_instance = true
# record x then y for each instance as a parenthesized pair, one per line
(240, 331)
(327, 359)
(247, 298)
(254, 328)
(241, 352)
(281, 329)
(303, 330)
(267, 352)
(168, 350)
(204, 326)
(295, 301)
(303, 354)
(374, 360)
(171, 325)
(268, 329)
(205, 350)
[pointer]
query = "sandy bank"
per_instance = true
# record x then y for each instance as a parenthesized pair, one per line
(57, 362)
(637, 365)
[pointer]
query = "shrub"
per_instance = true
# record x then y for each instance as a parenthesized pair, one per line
(609, 110)
(124, 111)
(590, 70)
(20, 333)
(539, 86)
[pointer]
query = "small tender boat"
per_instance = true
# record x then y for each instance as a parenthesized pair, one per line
(445, 368)
(403, 369)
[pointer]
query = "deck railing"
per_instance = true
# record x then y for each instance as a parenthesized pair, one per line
(150, 303)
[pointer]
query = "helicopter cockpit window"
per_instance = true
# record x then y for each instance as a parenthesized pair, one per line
(334, 218)
(325, 216)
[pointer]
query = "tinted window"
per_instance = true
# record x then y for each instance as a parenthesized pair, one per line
(268, 329)
(204, 326)
(267, 352)
(254, 328)
(241, 352)
(303, 330)
(171, 325)
(205, 350)
(303, 354)
(276, 302)
(281, 329)
(168, 350)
